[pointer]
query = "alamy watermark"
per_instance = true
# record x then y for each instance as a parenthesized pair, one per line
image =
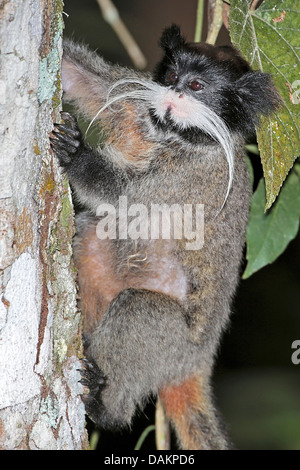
(296, 354)
(152, 222)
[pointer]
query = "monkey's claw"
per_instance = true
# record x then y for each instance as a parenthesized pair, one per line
(92, 377)
(66, 139)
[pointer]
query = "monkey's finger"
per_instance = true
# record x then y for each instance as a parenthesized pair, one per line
(67, 130)
(62, 154)
(69, 118)
(67, 141)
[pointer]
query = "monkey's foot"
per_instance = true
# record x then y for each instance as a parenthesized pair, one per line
(66, 139)
(93, 378)
(103, 416)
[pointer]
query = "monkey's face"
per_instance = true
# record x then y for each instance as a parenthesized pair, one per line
(184, 89)
(194, 84)
(202, 81)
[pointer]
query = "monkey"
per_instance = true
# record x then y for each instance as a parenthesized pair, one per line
(154, 308)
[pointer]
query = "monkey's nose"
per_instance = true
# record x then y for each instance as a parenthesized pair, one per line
(179, 91)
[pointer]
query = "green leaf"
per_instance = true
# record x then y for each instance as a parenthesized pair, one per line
(269, 38)
(268, 234)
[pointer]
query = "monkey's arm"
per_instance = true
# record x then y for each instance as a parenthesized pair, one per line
(91, 174)
(86, 78)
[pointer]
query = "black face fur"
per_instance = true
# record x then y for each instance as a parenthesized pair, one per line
(218, 77)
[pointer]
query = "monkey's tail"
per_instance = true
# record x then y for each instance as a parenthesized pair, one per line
(189, 408)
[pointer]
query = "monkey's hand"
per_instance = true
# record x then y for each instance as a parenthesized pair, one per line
(66, 139)
(91, 175)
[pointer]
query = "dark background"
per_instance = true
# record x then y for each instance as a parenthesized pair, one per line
(256, 384)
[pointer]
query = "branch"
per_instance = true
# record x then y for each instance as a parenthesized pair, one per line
(217, 20)
(111, 16)
(162, 429)
(199, 21)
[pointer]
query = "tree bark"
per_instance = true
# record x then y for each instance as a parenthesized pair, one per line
(40, 328)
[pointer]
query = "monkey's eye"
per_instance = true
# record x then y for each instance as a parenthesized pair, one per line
(195, 85)
(173, 77)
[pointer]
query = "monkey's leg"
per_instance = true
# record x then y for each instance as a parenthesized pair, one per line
(189, 408)
(141, 344)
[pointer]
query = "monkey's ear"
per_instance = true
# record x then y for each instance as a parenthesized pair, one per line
(258, 94)
(171, 38)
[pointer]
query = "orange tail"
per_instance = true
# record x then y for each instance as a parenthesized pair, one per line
(188, 407)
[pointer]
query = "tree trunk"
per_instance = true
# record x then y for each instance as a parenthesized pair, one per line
(40, 328)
